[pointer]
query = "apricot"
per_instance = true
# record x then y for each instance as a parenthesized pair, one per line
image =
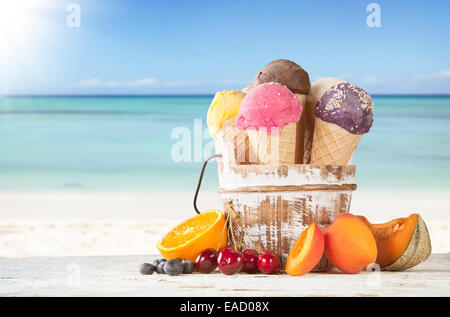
(306, 252)
(349, 244)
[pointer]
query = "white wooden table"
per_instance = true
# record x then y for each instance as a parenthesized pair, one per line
(119, 276)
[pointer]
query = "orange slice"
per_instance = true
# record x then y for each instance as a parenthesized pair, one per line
(306, 252)
(192, 236)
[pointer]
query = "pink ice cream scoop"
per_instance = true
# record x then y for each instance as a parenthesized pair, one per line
(270, 106)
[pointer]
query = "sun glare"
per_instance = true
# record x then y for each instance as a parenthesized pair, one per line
(17, 20)
(21, 24)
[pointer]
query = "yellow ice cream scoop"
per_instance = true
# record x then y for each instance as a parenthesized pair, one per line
(224, 106)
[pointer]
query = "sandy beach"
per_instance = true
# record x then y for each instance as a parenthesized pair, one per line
(118, 223)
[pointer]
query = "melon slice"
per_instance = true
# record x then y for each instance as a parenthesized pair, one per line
(401, 243)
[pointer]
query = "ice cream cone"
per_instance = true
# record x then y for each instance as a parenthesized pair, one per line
(332, 145)
(303, 133)
(287, 138)
(274, 148)
(233, 143)
(224, 106)
(318, 88)
(296, 79)
(260, 145)
(308, 136)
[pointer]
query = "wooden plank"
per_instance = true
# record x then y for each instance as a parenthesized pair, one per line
(119, 276)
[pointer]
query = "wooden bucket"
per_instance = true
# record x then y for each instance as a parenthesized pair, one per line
(269, 206)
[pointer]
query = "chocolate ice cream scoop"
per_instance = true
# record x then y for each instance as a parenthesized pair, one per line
(348, 106)
(284, 72)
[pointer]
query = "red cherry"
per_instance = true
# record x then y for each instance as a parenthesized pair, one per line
(206, 261)
(268, 262)
(250, 261)
(230, 261)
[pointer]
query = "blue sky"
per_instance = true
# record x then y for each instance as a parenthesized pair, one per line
(199, 47)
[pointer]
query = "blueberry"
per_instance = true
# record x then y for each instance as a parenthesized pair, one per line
(188, 266)
(146, 269)
(173, 267)
(157, 261)
(160, 267)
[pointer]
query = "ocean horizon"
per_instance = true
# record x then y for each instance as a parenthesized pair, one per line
(123, 143)
(177, 95)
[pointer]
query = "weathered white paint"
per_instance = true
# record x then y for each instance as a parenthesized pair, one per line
(274, 220)
(229, 178)
(119, 276)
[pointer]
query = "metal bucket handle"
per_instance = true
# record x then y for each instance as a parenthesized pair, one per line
(201, 178)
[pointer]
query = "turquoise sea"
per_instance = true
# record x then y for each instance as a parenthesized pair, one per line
(124, 143)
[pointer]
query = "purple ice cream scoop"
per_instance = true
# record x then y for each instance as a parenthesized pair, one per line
(348, 106)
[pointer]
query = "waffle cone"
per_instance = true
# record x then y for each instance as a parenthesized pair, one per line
(259, 141)
(275, 149)
(287, 145)
(308, 139)
(305, 128)
(233, 143)
(332, 145)
(308, 134)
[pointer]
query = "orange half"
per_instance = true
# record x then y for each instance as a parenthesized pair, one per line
(306, 252)
(192, 236)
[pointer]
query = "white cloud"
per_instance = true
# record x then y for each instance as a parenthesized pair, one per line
(181, 83)
(445, 73)
(205, 83)
(441, 75)
(143, 82)
(146, 82)
(111, 83)
(90, 82)
(97, 82)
